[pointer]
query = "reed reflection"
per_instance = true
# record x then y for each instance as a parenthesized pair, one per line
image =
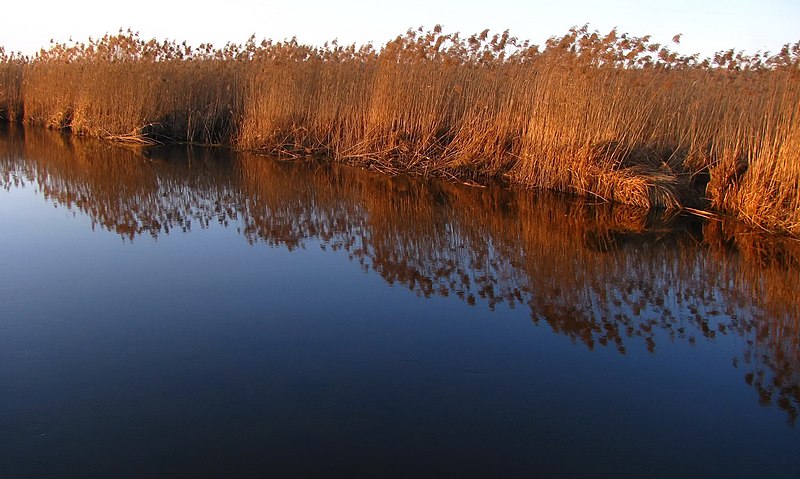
(604, 276)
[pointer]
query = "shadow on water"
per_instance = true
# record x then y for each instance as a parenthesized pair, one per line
(603, 275)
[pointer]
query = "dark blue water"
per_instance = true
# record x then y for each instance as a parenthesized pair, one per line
(188, 312)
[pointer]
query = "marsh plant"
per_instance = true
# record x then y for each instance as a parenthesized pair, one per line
(612, 116)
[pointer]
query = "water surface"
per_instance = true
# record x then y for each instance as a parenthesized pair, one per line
(185, 311)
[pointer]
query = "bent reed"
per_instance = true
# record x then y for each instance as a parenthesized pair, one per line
(616, 117)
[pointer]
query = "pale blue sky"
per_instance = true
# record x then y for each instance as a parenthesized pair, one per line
(707, 26)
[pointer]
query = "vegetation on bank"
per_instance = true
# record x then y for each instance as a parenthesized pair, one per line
(613, 116)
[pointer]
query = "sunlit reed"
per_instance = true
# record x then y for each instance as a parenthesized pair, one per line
(611, 116)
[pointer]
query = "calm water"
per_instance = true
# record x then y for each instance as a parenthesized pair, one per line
(192, 312)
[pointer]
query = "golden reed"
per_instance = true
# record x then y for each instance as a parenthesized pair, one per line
(613, 116)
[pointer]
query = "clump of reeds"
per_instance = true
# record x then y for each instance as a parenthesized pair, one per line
(123, 87)
(11, 65)
(613, 116)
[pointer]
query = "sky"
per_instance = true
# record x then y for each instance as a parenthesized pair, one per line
(707, 26)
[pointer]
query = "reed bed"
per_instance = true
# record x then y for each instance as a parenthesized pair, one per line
(612, 116)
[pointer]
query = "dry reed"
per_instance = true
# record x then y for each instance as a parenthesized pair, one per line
(612, 116)
(11, 66)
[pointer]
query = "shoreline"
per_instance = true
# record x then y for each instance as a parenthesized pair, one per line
(614, 117)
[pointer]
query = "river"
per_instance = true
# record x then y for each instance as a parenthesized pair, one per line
(200, 312)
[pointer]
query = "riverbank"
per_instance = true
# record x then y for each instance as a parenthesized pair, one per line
(611, 116)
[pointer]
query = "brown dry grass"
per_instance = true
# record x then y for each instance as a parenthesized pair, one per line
(11, 66)
(616, 117)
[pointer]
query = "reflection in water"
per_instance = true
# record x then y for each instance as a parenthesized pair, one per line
(599, 274)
